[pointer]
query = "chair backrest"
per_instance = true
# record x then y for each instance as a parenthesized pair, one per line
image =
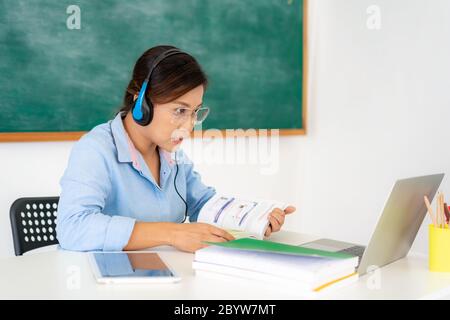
(33, 223)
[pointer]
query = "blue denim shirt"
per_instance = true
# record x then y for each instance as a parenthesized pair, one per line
(107, 187)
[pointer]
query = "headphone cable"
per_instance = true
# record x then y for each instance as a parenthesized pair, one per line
(175, 185)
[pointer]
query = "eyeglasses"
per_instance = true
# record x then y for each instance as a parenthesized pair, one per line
(181, 115)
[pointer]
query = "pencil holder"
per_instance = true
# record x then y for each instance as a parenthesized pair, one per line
(439, 249)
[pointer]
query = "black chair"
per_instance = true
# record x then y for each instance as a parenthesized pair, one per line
(33, 223)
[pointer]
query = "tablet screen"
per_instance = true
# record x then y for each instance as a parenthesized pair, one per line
(136, 264)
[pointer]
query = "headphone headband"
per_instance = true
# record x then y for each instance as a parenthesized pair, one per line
(160, 58)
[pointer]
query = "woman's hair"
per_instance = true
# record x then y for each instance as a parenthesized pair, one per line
(173, 77)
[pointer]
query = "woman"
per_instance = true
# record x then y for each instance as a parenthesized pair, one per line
(121, 190)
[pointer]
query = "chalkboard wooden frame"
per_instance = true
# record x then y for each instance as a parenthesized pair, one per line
(76, 135)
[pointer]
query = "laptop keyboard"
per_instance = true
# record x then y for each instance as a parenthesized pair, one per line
(356, 251)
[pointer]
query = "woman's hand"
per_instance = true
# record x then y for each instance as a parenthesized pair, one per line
(189, 237)
(276, 219)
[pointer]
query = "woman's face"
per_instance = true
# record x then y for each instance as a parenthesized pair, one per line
(174, 121)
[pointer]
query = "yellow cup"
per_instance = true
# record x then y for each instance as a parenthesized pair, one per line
(439, 249)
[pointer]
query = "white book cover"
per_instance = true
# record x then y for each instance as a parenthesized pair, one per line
(301, 288)
(271, 278)
(302, 268)
(241, 215)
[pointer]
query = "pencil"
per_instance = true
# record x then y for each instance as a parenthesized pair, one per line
(430, 211)
(444, 218)
(441, 210)
(447, 213)
(438, 203)
(438, 209)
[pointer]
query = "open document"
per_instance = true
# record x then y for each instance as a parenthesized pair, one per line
(242, 218)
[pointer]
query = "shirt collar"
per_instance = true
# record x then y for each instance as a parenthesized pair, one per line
(127, 152)
(121, 139)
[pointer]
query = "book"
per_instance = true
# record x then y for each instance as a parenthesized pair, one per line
(276, 247)
(305, 270)
(303, 289)
(241, 217)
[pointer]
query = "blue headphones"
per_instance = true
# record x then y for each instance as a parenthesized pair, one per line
(143, 108)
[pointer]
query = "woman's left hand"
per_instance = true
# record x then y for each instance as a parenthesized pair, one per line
(276, 219)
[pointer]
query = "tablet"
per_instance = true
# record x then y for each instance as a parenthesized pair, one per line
(133, 267)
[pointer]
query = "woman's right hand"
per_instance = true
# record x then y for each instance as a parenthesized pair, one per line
(189, 237)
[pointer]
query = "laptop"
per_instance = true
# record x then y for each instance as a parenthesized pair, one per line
(397, 226)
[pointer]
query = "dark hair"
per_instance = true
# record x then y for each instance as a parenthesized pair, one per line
(173, 77)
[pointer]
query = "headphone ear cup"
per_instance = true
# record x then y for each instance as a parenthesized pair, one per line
(142, 111)
(147, 112)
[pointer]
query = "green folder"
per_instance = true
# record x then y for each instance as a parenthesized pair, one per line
(275, 247)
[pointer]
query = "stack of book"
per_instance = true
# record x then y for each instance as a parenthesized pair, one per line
(304, 270)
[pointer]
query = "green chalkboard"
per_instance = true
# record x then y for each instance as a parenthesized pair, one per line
(57, 79)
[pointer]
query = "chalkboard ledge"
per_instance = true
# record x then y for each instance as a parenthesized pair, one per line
(75, 135)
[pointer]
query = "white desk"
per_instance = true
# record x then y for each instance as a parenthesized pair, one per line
(67, 275)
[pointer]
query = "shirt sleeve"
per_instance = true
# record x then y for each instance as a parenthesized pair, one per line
(197, 194)
(81, 223)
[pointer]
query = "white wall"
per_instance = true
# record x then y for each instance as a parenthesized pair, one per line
(378, 111)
